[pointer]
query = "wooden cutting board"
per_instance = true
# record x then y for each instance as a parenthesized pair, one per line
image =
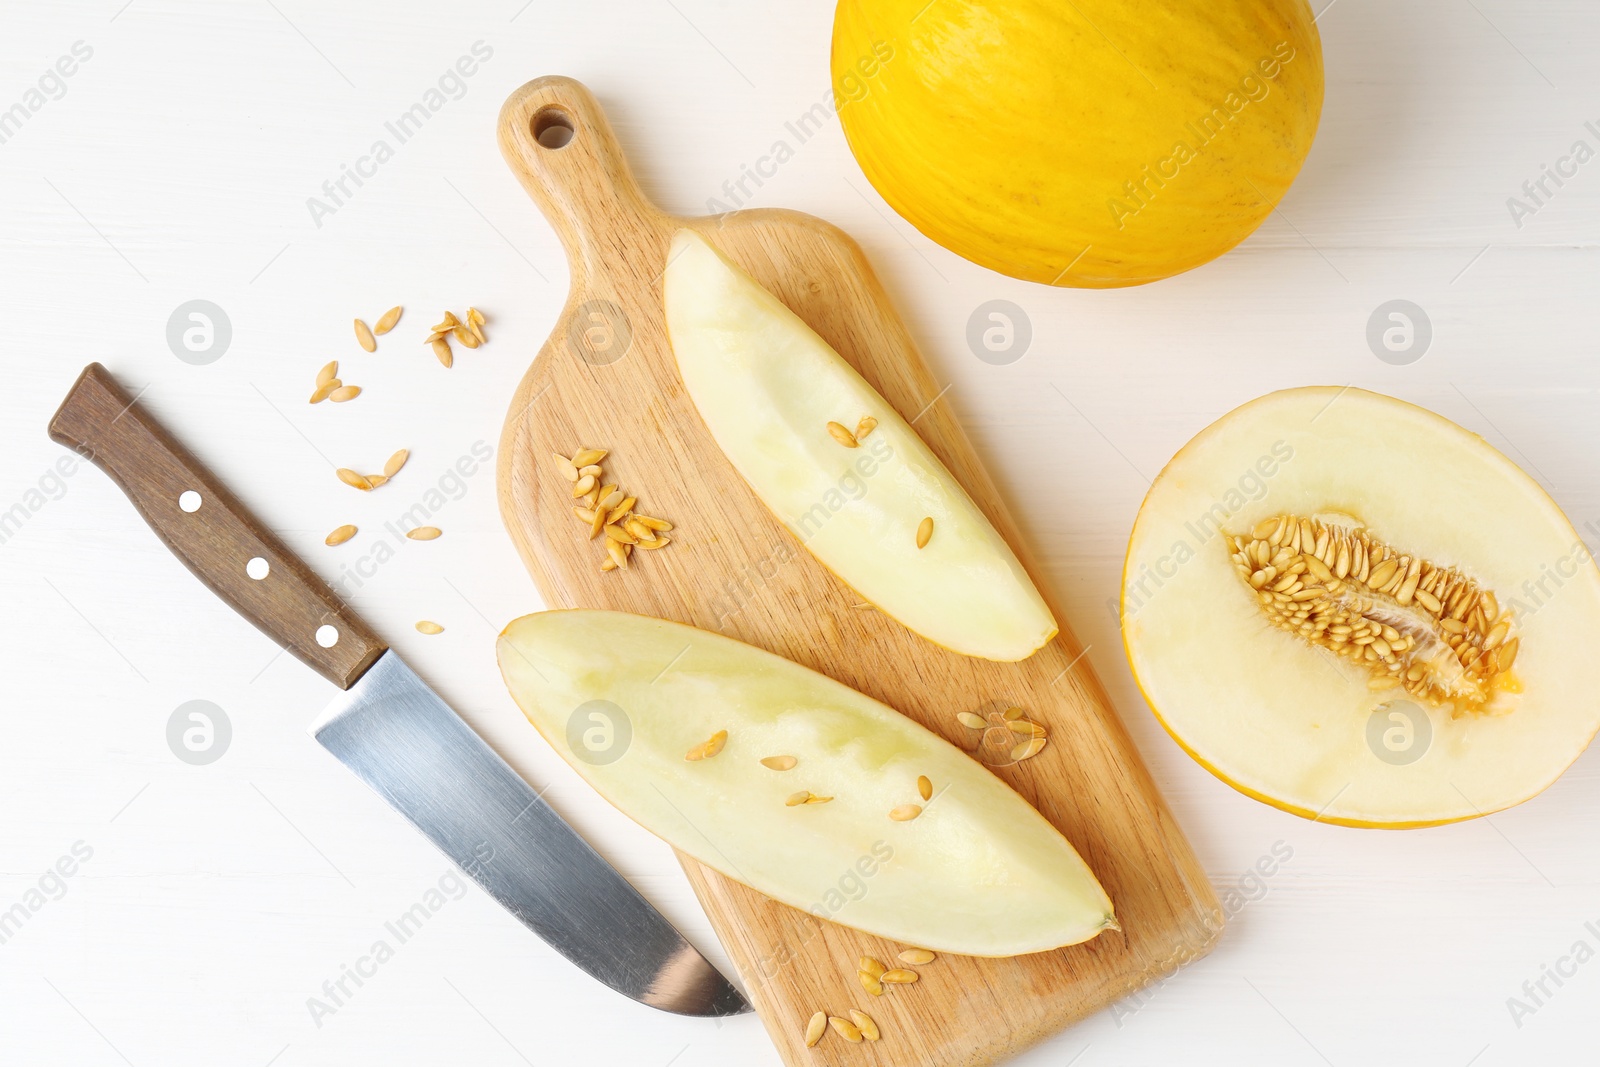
(607, 379)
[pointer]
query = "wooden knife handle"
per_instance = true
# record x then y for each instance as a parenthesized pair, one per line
(212, 532)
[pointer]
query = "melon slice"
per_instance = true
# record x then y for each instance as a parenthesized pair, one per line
(767, 388)
(671, 724)
(1356, 610)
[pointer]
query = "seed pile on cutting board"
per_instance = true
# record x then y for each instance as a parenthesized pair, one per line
(874, 975)
(609, 509)
(1032, 736)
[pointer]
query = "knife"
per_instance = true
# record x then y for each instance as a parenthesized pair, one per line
(389, 727)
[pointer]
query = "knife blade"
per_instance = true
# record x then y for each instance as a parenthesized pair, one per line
(388, 725)
(406, 743)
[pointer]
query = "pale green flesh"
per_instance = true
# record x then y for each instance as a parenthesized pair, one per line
(980, 872)
(767, 386)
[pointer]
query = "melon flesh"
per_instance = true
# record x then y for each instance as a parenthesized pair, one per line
(1289, 722)
(767, 386)
(979, 872)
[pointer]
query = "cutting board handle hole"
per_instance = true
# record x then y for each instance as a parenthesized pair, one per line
(552, 128)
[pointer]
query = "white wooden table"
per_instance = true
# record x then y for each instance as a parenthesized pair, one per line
(208, 903)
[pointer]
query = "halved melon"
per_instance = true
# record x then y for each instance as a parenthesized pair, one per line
(1355, 610)
(882, 513)
(671, 724)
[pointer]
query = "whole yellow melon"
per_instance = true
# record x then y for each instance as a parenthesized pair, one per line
(1089, 143)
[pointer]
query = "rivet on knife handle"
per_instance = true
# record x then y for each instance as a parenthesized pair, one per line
(215, 536)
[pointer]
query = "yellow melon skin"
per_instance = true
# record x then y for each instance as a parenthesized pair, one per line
(1095, 144)
(1299, 728)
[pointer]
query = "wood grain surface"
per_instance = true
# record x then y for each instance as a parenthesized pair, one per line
(607, 379)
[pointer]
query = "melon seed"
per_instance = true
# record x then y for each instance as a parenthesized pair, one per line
(1028, 749)
(364, 336)
(351, 478)
(842, 435)
(845, 1029)
(387, 321)
(707, 748)
(865, 1025)
(815, 1028)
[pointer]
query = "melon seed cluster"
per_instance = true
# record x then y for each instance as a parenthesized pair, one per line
(608, 509)
(468, 334)
(1032, 736)
(1416, 625)
(874, 976)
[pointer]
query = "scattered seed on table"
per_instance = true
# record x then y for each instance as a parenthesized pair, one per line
(351, 478)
